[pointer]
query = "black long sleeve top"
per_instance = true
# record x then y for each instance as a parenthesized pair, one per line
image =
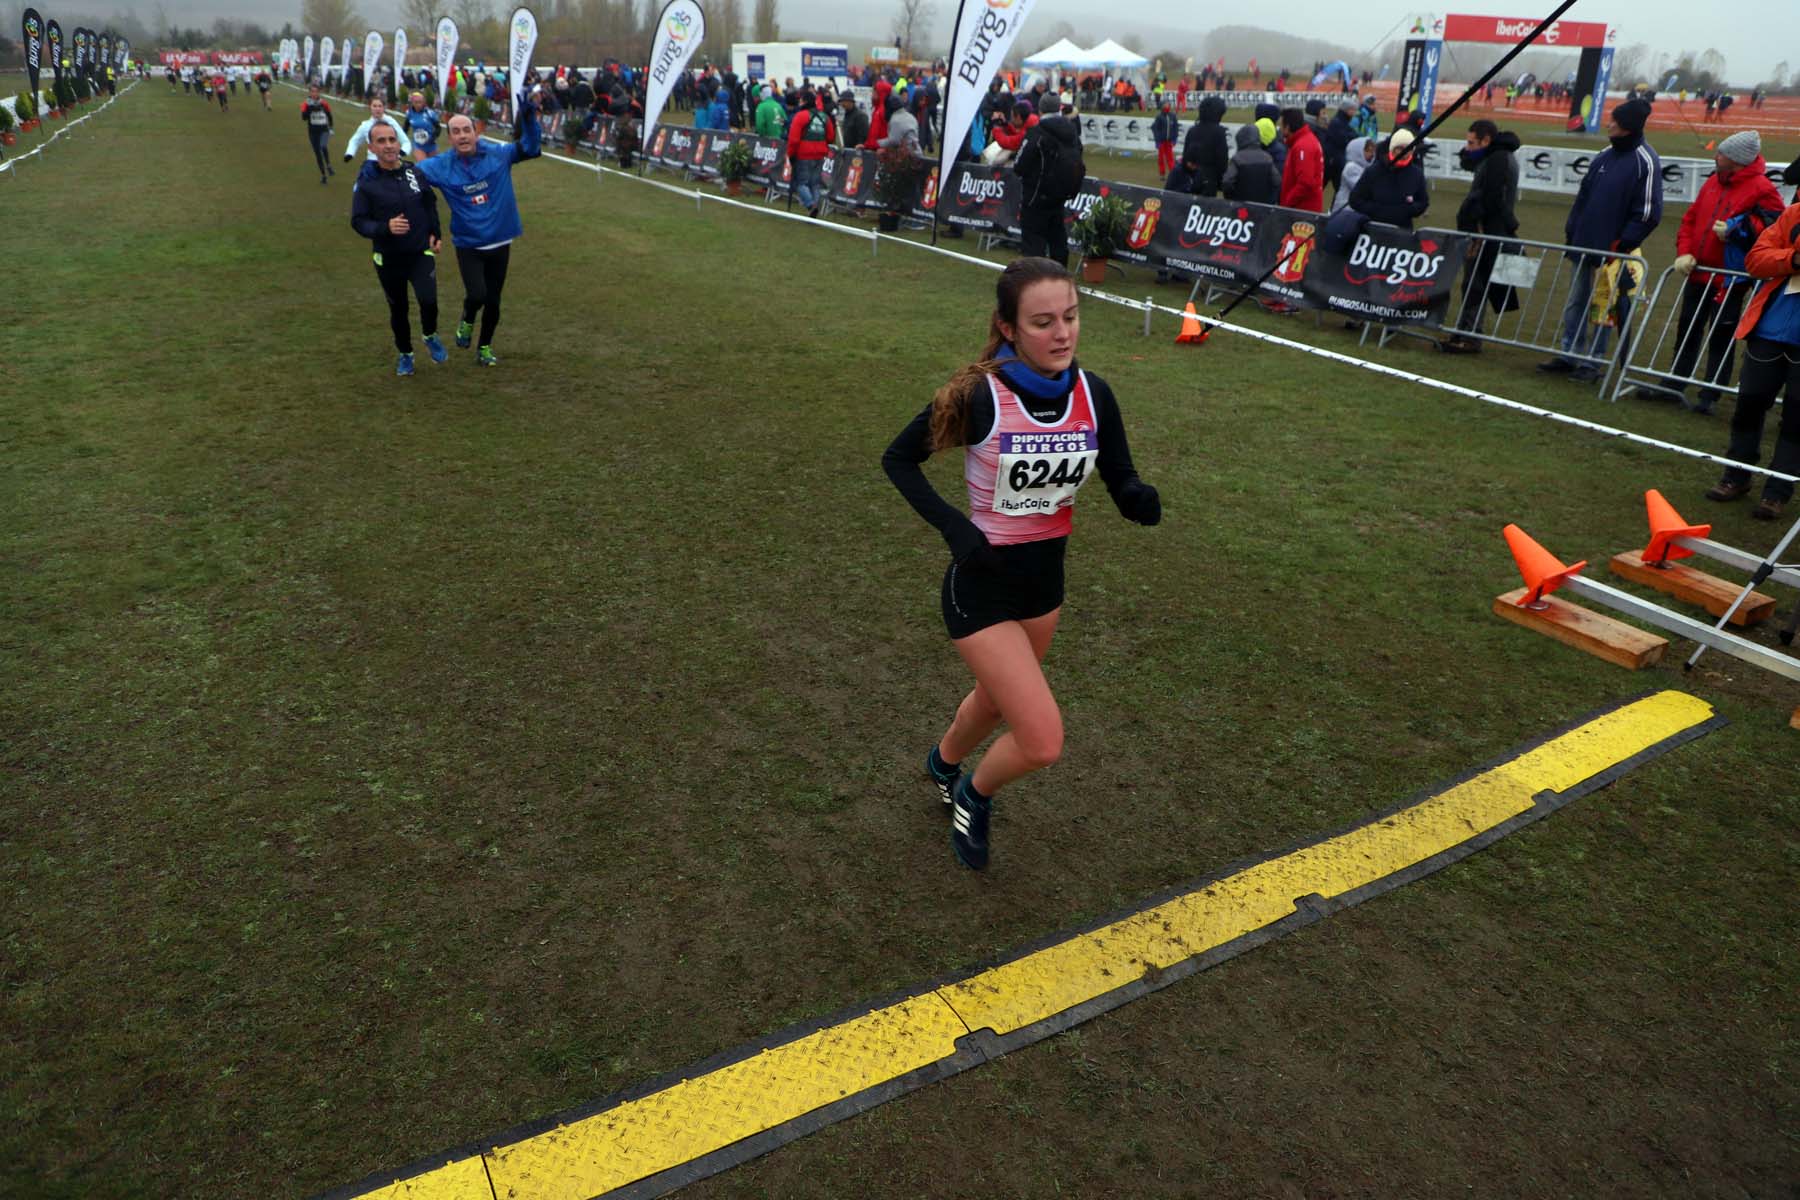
(904, 457)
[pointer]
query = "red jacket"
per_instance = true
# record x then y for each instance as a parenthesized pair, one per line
(798, 148)
(1008, 137)
(1772, 258)
(1303, 177)
(1748, 188)
(878, 114)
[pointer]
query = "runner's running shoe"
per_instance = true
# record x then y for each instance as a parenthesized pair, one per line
(484, 357)
(438, 352)
(465, 333)
(969, 827)
(945, 780)
(404, 366)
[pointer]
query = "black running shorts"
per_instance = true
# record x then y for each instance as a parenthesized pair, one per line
(1028, 583)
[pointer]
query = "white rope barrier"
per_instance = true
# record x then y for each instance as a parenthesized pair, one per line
(1146, 306)
(11, 163)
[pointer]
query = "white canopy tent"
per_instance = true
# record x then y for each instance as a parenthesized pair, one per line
(1063, 54)
(1110, 54)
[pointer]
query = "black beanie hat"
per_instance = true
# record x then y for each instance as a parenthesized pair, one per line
(1632, 115)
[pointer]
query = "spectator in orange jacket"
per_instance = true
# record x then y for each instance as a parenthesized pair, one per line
(1303, 175)
(1770, 331)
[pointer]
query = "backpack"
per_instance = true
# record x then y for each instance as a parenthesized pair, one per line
(815, 128)
(1059, 171)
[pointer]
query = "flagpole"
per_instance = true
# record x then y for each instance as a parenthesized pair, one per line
(949, 86)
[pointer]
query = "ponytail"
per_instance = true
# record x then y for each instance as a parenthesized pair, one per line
(950, 406)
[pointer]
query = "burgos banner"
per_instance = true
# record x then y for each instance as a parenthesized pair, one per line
(985, 30)
(679, 32)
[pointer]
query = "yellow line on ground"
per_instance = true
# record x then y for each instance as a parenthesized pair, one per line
(715, 1109)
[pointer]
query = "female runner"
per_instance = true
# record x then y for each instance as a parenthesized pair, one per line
(1034, 426)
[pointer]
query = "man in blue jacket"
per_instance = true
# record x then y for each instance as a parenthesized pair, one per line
(476, 180)
(1620, 202)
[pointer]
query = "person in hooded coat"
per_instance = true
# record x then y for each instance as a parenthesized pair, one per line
(878, 114)
(1357, 157)
(1488, 209)
(1277, 147)
(1252, 177)
(1393, 189)
(1206, 147)
(1336, 141)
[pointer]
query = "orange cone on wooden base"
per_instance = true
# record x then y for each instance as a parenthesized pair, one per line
(1190, 328)
(1542, 571)
(1665, 526)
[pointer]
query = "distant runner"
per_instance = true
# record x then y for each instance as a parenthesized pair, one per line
(391, 206)
(316, 112)
(262, 85)
(422, 123)
(378, 114)
(476, 180)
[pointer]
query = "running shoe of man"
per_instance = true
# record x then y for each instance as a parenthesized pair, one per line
(465, 333)
(969, 827)
(404, 366)
(438, 352)
(484, 357)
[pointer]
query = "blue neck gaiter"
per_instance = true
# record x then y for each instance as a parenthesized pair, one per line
(1021, 378)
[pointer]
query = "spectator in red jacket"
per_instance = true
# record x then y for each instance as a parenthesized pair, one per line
(1010, 135)
(809, 140)
(1711, 304)
(878, 114)
(1303, 175)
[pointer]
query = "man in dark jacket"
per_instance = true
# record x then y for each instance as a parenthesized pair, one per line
(1050, 169)
(1393, 189)
(1618, 206)
(392, 207)
(1251, 176)
(1207, 148)
(1488, 209)
(1338, 135)
(855, 124)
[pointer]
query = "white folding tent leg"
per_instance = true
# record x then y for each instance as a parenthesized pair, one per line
(1707, 635)
(1761, 572)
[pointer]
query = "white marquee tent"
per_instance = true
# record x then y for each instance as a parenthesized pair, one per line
(1063, 54)
(1110, 54)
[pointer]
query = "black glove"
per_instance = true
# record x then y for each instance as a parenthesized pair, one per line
(1139, 502)
(971, 549)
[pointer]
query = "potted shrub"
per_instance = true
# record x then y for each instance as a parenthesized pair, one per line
(7, 137)
(571, 134)
(897, 178)
(26, 110)
(735, 164)
(82, 91)
(481, 112)
(1100, 231)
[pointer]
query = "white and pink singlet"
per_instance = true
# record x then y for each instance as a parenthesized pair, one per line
(1023, 476)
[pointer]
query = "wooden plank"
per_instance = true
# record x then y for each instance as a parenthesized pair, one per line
(1794, 721)
(1695, 587)
(1598, 634)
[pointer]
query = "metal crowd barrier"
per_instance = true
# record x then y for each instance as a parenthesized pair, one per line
(1655, 362)
(1541, 276)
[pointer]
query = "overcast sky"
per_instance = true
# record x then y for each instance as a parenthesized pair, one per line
(1752, 37)
(1751, 44)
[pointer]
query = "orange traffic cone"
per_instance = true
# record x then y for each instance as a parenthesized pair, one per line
(1190, 327)
(1665, 526)
(1542, 572)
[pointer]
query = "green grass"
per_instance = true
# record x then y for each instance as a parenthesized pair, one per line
(389, 762)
